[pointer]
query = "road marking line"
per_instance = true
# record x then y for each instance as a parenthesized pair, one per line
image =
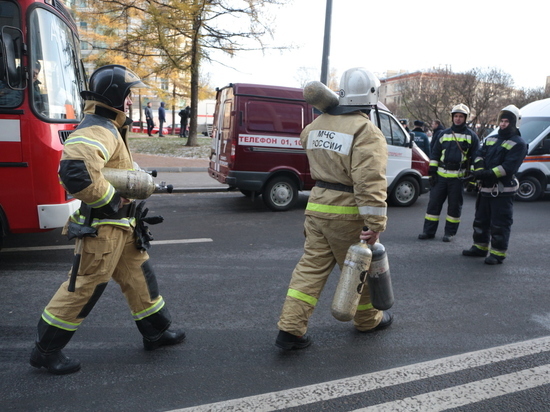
(469, 393)
(155, 242)
(363, 383)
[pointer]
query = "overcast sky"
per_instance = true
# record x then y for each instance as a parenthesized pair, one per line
(400, 35)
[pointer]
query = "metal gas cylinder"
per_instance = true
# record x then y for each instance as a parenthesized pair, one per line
(320, 96)
(352, 280)
(132, 184)
(379, 280)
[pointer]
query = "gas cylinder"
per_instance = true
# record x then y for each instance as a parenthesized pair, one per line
(352, 280)
(132, 184)
(379, 280)
(320, 96)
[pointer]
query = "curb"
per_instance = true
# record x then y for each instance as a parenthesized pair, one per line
(176, 169)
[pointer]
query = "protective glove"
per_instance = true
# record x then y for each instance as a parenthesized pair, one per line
(143, 234)
(433, 179)
(487, 177)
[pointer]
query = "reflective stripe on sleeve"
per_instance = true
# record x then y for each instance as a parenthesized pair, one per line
(296, 294)
(149, 311)
(105, 199)
(372, 210)
(499, 171)
(90, 142)
(58, 323)
(337, 210)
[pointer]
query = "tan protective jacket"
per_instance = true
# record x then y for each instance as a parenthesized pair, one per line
(347, 149)
(97, 143)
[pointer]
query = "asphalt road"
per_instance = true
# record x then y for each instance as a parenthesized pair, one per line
(466, 336)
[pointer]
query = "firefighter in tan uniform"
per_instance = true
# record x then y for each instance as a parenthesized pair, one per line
(347, 154)
(112, 249)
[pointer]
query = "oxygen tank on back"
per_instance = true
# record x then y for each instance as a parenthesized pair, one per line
(379, 280)
(352, 280)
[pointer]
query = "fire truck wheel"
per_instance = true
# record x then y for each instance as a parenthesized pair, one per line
(530, 189)
(405, 192)
(280, 193)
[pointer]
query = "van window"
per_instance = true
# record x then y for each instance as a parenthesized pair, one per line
(392, 131)
(531, 127)
(275, 117)
(227, 114)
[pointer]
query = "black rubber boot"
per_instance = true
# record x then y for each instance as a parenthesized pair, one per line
(55, 362)
(167, 338)
(387, 320)
(288, 341)
(493, 260)
(474, 252)
(424, 236)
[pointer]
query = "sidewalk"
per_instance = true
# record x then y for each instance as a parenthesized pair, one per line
(185, 175)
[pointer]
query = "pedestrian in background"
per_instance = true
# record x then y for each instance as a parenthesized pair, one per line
(114, 248)
(162, 118)
(437, 129)
(149, 119)
(495, 166)
(449, 162)
(184, 115)
(350, 192)
(421, 138)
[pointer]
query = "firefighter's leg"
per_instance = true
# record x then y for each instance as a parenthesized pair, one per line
(454, 206)
(308, 279)
(438, 194)
(481, 225)
(138, 283)
(501, 224)
(66, 310)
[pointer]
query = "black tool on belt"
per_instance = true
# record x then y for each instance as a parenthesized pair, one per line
(79, 231)
(143, 234)
(334, 186)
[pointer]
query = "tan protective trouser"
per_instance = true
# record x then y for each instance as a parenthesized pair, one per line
(327, 242)
(112, 254)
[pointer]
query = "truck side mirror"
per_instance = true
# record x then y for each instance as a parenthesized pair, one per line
(411, 139)
(12, 63)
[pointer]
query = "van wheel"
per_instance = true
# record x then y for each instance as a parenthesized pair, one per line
(280, 193)
(529, 190)
(405, 192)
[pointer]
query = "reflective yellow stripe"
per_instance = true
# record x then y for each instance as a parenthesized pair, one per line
(149, 311)
(58, 323)
(293, 293)
(105, 199)
(453, 219)
(497, 253)
(364, 307)
(337, 210)
(481, 247)
(432, 218)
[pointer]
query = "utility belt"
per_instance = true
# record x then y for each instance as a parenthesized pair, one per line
(125, 211)
(452, 165)
(334, 186)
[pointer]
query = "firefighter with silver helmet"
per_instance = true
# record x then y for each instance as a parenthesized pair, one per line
(109, 228)
(450, 163)
(495, 166)
(347, 155)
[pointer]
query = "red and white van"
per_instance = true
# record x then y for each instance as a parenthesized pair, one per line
(256, 146)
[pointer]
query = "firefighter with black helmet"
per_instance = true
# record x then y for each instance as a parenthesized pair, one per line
(450, 161)
(347, 154)
(112, 247)
(495, 167)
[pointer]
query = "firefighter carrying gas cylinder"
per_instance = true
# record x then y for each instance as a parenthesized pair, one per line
(450, 162)
(495, 166)
(115, 240)
(347, 155)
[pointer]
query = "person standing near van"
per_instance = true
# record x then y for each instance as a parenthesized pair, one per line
(149, 119)
(437, 129)
(495, 167)
(348, 155)
(184, 115)
(421, 138)
(449, 162)
(111, 249)
(162, 118)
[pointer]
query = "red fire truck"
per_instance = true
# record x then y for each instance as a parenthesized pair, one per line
(41, 76)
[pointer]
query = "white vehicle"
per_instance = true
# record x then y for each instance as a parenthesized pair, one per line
(534, 173)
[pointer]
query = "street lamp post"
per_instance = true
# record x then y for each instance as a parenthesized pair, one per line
(326, 44)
